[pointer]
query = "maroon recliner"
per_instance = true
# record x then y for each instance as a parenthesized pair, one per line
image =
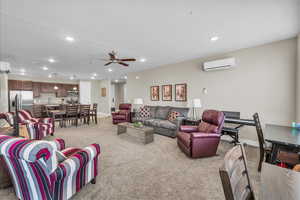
(123, 115)
(203, 140)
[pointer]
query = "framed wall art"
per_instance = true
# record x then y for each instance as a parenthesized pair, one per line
(181, 92)
(154, 93)
(166, 92)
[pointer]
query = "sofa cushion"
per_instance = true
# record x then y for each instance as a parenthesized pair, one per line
(166, 124)
(162, 112)
(207, 128)
(183, 111)
(160, 123)
(152, 111)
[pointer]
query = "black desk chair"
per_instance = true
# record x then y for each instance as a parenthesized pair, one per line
(233, 132)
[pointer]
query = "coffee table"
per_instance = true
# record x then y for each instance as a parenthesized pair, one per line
(144, 132)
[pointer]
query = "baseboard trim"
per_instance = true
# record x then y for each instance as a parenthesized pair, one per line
(101, 114)
(245, 141)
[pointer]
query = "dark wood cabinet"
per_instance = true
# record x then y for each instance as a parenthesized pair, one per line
(62, 91)
(19, 85)
(47, 88)
(36, 89)
(42, 87)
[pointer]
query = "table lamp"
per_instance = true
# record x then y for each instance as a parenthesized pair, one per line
(196, 104)
(137, 101)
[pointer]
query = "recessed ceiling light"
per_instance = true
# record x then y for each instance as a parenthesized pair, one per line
(51, 60)
(71, 78)
(45, 68)
(22, 73)
(109, 69)
(50, 76)
(94, 74)
(69, 39)
(22, 70)
(92, 77)
(214, 38)
(143, 60)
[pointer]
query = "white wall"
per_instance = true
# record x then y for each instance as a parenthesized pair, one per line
(85, 92)
(298, 80)
(263, 81)
(3, 92)
(104, 103)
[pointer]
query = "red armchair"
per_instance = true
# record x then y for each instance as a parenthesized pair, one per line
(123, 115)
(203, 140)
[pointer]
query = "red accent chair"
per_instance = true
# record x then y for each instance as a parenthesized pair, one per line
(123, 115)
(202, 140)
(41, 127)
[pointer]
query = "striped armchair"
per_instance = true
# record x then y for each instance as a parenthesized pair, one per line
(37, 127)
(48, 176)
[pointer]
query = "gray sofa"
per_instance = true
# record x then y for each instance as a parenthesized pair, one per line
(159, 119)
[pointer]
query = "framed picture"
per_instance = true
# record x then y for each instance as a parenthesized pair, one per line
(166, 92)
(103, 92)
(154, 93)
(181, 92)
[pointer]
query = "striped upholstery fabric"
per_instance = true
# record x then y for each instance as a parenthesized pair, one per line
(45, 178)
(38, 128)
(8, 116)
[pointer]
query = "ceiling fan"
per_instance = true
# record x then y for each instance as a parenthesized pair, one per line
(113, 59)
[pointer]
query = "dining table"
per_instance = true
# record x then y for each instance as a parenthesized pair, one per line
(279, 183)
(282, 137)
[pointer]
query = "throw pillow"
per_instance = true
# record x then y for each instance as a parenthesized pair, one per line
(60, 157)
(173, 115)
(144, 112)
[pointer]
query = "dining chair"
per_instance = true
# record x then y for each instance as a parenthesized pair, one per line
(71, 115)
(93, 113)
(37, 111)
(84, 114)
(264, 150)
(234, 175)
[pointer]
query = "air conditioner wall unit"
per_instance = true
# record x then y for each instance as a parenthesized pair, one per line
(219, 64)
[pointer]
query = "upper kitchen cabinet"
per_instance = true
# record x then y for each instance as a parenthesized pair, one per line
(36, 89)
(47, 88)
(62, 91)
(19, 85)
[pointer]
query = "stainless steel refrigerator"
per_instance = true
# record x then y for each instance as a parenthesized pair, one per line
(24, 100)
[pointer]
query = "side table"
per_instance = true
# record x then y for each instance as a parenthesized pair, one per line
(191, 122)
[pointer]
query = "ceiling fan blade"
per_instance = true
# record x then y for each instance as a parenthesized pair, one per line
(108, 63)
(121, 63)
(127, 59)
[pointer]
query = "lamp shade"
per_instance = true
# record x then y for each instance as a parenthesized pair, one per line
(197, 103)
(138, 101)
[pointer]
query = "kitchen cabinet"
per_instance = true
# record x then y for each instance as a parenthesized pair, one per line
(62, 91)
(47, 88)
(19, 85)
(36, 89)
(42, 87)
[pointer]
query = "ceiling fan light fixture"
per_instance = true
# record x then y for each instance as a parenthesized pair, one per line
(143, 59)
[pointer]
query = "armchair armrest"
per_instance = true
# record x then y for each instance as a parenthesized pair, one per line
(205, 135)
(59, 143)
(77, 161)
(188, 128)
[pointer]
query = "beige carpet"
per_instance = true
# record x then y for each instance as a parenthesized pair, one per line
(131, 170)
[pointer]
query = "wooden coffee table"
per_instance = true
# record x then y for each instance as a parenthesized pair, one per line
(144, 132)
